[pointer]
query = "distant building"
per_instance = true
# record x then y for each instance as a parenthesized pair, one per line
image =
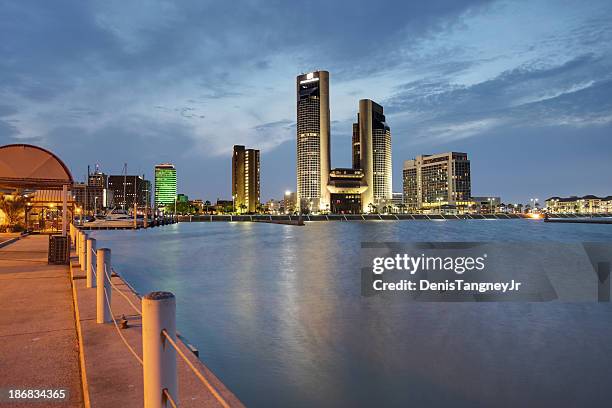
(182, 198)
(91, 199)
(372, 153)
(197, 203)
(363, 188)
(397, 202)
(165, 184)
(486, 204)
(588, 204)
(274, 206)
(97, 179)
(245, 179)
(346, 187)
(433, 181)
(224, 206)
(130, 189)
(93, 196)
(313, 133)
(289, 202)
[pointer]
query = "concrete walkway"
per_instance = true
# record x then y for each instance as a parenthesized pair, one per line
(114, 377)
(38, 340)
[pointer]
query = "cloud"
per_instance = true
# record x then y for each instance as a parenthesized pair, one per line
(574, 93)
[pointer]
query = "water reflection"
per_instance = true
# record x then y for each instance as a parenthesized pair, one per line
(276, 312)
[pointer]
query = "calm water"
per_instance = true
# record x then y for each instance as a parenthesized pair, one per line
(277, 314)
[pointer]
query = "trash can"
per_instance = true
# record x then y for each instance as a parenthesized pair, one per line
(59, 249)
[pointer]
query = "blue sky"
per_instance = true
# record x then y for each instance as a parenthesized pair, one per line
(524, 87)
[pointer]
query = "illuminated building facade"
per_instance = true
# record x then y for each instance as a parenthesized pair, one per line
(313, 133)
(588, 204)
(364, 187)
(372, 153)
(245, 179)
(165, 184)
(433, 181)
(346, 187)
(289, 202)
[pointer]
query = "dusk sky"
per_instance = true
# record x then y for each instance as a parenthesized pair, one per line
(525, 88)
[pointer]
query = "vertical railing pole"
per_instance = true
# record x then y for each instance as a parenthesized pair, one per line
(159, 357)
(79, 241)
(103, 257)
(91, 248)
(84, 254)
(71, 235)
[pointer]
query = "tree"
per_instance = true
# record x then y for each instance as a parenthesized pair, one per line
(207, 204)
(242, 207)
(12, 208)
(372, 208)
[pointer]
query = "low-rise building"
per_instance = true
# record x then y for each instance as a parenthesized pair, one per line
(289, 202)
(486, 204)
(588, 204)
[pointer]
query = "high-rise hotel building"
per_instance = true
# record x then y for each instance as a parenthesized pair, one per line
(431, 181)
(245, 179)
(165, 184)
(313, 128)
(372, 153)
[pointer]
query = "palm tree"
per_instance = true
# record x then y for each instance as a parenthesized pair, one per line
(12, 209)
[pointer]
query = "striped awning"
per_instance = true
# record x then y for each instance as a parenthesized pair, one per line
(50, 196)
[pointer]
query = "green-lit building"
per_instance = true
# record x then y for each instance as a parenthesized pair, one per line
(165, 184)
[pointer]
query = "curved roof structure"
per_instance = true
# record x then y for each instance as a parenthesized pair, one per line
(27, 166)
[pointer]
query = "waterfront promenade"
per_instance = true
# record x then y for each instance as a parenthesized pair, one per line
(38, 338)
(49, 337)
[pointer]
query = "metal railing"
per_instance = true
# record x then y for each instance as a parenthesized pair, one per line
(158, 313)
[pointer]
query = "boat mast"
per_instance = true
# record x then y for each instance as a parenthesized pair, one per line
(124, 181)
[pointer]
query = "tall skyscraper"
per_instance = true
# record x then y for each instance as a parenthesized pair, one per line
(165, 184)
(431, 181)
(372, 153)
(313, 128)
(245, 179)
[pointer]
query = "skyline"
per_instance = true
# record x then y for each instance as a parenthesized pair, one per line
(523, 88)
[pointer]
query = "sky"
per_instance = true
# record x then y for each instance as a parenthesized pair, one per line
(524, 87)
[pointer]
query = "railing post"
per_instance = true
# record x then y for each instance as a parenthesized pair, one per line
(84, 254)
(159, 357)
(91, 248)
(79, 241)
(103, 257)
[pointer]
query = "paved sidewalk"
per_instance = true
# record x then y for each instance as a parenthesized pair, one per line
(114, 376)
(38, 340)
